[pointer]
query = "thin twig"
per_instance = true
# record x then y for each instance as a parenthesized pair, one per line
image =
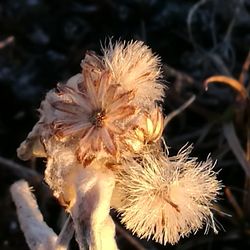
(223, 69)
(212, 27)
(179, 75)
(191, 13)
(6, 41)
(179, 110)
(204, 132)
(234, 203)
(246, 198)
(135, 243)
(233, 21)
(20, 171)
(245, 68)
(233, 141)
(65, 235)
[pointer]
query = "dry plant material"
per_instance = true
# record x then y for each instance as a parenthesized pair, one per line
(101, 134)
(158, 199)
(38, 235)
(245, 69)
(7, 41)
(235, 84)
(242, 87)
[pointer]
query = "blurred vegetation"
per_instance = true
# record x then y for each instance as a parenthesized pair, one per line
(43, 42)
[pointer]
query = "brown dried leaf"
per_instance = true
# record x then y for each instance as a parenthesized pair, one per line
(235, 84)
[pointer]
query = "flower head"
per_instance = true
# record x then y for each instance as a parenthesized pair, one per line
(94, 111)
(107, 117)
(98, 109)
(134, 66)
(147, 130)
(165, 199)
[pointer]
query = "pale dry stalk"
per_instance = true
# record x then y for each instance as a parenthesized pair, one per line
(90, 210)
(37, 233)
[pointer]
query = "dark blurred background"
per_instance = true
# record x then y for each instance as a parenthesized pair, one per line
(43, 41)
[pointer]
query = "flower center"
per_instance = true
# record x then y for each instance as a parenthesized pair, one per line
(97, 118)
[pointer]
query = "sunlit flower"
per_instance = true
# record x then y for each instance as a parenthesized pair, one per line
(107, 120)
(150, 126)
(148, 129)
(135, 67)
(95, 110)
(166, 198)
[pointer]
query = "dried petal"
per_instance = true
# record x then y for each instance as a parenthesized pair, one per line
(121, 113)
(108, 141)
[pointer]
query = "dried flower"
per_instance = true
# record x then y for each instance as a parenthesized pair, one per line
(61, 171)
(166, 198)
(104, 126)
(95, 110)
(97, 114)
(134, 66)
(150, 126)
(148, 129)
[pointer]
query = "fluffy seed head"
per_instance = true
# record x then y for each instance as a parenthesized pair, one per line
(134, 66)
(96, 109)
(166, 198)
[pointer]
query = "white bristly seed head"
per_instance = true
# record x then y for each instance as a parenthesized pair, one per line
(166, 198)
(135, 67)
